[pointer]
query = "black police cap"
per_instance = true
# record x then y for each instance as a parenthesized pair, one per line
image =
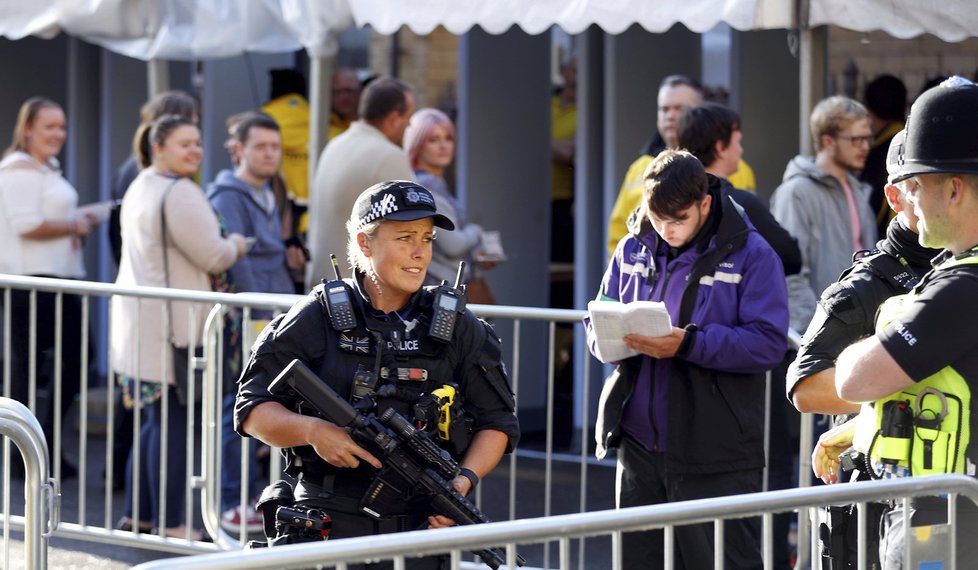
(942, 131)
(400, 200)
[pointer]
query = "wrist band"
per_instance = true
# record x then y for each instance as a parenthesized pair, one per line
(470, 475)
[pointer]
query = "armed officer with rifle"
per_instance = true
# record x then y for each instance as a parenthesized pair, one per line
(394, 351)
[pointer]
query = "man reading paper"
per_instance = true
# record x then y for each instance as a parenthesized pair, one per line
(687, 413)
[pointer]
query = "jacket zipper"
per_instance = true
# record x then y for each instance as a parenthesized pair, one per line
(655, 431)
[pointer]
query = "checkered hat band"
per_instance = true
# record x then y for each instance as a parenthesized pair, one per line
(379, 209)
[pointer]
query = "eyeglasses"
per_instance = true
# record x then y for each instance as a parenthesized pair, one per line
(858, 140)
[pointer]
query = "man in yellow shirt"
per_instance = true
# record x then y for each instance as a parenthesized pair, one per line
(676, 93)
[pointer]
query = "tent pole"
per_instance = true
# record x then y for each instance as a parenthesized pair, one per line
(320, 79)
(157, 77)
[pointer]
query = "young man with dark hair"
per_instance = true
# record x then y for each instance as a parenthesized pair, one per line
(243, 198)
(686, 414)
(712, 133)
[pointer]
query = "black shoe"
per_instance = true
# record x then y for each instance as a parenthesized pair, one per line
(125, 525)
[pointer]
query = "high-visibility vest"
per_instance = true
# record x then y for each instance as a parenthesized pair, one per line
(924, 429)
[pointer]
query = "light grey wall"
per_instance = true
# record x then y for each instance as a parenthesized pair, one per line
(31, 66)
(768, 105)
(503, 173)
(590, 220)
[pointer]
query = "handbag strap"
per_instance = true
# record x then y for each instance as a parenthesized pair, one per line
(166, 261)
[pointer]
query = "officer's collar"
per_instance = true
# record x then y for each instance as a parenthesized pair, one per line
(402, 314)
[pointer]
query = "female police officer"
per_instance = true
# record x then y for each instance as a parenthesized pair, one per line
(388, 355)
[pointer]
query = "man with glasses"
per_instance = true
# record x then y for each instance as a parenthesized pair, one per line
(824, 205)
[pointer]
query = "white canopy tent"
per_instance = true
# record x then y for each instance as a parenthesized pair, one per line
(200, 29)
(950, 20)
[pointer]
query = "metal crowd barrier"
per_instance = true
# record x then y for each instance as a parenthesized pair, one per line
(523, 329)
(41, 496)
(613, 523)
(95, 515)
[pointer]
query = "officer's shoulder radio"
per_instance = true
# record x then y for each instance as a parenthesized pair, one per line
(449, 303)
(338, 302)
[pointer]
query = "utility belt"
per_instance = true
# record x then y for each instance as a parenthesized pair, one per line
(307, 514)
(344, 494)
(922, 430)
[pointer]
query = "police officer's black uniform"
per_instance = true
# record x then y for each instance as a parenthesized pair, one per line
(847, 313)
(848, 306)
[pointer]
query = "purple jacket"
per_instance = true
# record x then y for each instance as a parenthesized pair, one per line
(705, 407)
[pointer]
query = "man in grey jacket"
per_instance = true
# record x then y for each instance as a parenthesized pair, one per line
(823, 204)
(244, 200)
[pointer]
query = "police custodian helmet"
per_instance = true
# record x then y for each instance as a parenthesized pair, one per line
(942, 131)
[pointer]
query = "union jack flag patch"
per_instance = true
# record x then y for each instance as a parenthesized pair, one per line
(351, 343)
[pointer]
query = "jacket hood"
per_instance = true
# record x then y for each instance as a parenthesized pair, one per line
(224, 180)
(805, 167)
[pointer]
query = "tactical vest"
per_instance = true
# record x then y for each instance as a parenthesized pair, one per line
(924, 429)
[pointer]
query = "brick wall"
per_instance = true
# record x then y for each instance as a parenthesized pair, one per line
(915, 60)
(429, 63)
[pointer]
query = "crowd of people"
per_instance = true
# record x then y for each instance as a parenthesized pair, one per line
(871, 290)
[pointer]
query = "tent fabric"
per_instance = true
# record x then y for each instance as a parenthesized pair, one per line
(201, 29)
(184, 29)
(573, 16)
(950, 20)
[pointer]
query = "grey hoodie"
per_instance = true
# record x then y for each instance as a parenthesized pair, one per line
(812, 206)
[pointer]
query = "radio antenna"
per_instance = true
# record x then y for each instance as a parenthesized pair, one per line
(458, 276)
(336, 266)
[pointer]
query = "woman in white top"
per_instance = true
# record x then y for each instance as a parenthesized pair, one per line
(429, 141)
(40, 235)
(193, 250)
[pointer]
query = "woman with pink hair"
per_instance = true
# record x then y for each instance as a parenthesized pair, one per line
(430, 144)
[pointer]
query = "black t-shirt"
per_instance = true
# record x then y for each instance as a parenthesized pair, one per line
(938, 329)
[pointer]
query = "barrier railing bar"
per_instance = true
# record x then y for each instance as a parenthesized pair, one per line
(41, 498)
(83, 414)
(595, 523)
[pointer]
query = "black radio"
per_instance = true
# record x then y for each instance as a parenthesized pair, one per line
(449, 303)
(338, 302)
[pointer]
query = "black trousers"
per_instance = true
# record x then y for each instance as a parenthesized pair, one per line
(642, 480)
(71, 356)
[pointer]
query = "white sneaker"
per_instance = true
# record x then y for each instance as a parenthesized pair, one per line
(231, 520)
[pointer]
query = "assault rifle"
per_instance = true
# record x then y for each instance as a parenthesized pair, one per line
(414, 467)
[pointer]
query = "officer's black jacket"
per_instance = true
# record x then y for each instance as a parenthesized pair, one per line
(847, 309)
(472, 360)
